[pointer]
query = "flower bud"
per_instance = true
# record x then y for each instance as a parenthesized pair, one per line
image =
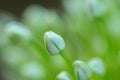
(97, 66)
(18, 29)
(53, 42)
(81, 70)
(96, 8)
(63, 76)
(33, 70)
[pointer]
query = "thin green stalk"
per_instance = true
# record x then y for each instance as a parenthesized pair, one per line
(68, 62)
(66, 59)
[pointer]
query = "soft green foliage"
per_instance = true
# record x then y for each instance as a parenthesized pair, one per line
(90, 31)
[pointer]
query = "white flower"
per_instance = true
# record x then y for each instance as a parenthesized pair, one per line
(97, 66)
(18, 29)
(63, 76)
(33, 70)
(81, 70)
(53, 42)
(96, 8)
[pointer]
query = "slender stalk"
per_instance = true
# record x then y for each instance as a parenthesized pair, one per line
(68, 62)
(66, 59)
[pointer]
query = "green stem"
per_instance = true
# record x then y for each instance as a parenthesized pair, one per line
(68, 62)
(66, 59)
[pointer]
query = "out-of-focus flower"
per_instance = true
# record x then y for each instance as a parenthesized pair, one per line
(113, 25)
(5, 18)
(40, 18)
(63, 76)
(53, 42)
(97, 66)
(73, 7)
(33, 71)
(35, 16)
(13, 55)
(81, 70)
(96, 8)
(17, 31)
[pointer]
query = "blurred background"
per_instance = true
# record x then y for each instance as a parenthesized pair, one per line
(90, 28)
(17, 7)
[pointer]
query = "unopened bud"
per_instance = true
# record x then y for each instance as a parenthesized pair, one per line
(63, 76)
(17, 29)
(53, 42)
(81, 70)
(96, 8)
(97, 66)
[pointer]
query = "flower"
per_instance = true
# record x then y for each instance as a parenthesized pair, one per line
(97, 66)
(96, 8)
(81, 70)
(53, 42)
(18, 29)
(63, 76)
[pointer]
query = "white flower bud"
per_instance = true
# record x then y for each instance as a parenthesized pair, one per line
(35, 16)
(97, 66)
(33, 70)
(96, 8)
(53, 42)
(18, 29)
(81, 70)
(63, 76)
